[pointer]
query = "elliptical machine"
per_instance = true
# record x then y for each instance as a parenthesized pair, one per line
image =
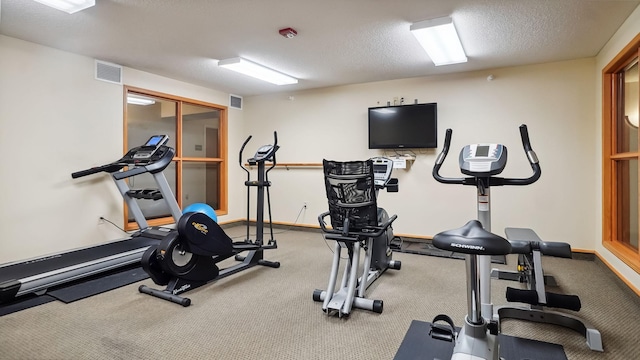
(357, 222)
(263, 154)
(187, 259)
(478, 338)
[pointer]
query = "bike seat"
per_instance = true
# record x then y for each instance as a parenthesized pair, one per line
(472, 238)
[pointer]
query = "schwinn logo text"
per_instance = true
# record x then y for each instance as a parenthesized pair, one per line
(465, 246)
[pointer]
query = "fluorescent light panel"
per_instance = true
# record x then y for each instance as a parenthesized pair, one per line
(247, 67)
(440, 40)
(68, 6)
(139, 100)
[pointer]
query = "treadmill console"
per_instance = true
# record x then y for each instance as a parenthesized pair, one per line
(152, 145)
(483, 159)
(382, 168)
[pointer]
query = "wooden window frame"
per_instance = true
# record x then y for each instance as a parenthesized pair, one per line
(179, 160)
(610, 156)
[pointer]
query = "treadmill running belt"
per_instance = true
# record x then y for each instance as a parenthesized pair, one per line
(58, 261)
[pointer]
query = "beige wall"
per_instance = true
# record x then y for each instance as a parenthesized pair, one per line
(623, 36)
(555, 100)
(55, 118)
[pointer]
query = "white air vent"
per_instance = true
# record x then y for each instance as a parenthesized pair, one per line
(235, 101)
(108, 72)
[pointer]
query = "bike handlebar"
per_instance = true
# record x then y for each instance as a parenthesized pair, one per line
(373, 231)
(493, 181)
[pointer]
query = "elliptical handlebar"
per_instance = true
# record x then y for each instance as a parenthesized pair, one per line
(265, 153)
(493, 181)
(241, 151)
(275, 148)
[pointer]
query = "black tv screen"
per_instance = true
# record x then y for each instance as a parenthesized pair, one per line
(404, 126)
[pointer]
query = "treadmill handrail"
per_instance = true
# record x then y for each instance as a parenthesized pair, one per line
(152, 166)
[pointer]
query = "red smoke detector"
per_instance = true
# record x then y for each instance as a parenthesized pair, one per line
(288, 33)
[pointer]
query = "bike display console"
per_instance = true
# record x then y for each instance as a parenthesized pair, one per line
(483, 159)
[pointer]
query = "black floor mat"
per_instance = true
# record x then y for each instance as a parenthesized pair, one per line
(80, 289)
(24, 303)
(417, 344)
(426, 248)
(99, 284)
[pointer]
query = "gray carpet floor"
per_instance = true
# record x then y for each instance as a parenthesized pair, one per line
(267, 313)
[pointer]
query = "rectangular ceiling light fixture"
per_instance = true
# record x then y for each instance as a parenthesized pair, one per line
(247, 67)
(68, 6)
(440, 40)
(139, 100)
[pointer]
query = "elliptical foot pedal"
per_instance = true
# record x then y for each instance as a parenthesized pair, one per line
(494, 327)
(446, 332)
(396, 243)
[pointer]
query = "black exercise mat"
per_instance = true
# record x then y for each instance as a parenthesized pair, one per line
(99, 284)
(417, 344)
(23, 303)
(426, 248)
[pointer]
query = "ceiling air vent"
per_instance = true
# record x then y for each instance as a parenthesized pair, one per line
(108, 72)
(235, 101)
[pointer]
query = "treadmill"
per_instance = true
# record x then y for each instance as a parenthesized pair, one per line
(35, 276)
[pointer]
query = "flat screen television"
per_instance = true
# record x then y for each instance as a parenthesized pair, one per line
(405, 126)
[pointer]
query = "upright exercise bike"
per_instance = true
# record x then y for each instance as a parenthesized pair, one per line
(356, 223)
(481, 162)
(188, 258)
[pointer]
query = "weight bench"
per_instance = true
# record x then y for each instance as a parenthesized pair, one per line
(530, 248)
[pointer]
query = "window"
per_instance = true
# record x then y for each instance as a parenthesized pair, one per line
(621, 109)
(198, 133)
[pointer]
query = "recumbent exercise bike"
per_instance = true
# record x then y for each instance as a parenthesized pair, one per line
(356, 223)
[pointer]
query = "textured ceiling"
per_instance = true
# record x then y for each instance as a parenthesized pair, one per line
(339, 41)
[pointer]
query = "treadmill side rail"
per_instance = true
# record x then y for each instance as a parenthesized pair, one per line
(9, 290)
